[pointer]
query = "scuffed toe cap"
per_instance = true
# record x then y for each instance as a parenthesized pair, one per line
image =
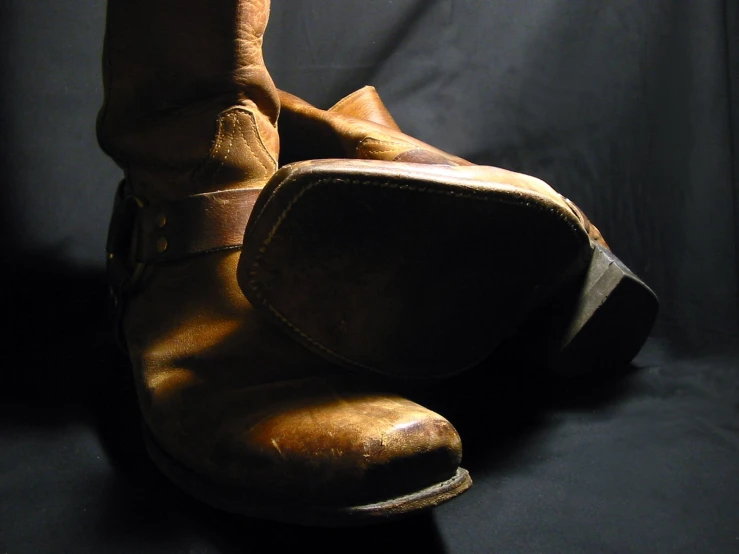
(340, 449)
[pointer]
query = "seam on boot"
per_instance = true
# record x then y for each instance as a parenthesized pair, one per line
(218, 159)
(255, 129)
(364, 147)
(217, 147)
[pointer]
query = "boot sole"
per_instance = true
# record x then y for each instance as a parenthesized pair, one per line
(597, 323)
(403, 269)
(246, 503)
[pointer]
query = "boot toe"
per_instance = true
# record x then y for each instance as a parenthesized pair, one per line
(352, 450)
(317, 451)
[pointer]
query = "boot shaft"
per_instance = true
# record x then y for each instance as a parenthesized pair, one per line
(189, 105)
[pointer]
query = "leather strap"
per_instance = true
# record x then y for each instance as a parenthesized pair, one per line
(171, 230)
(193, 225)
(142, 233)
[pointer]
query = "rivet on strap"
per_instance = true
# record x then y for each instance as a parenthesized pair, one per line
(193, 225)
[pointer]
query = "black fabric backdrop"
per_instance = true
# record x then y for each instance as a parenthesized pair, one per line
(629, 107)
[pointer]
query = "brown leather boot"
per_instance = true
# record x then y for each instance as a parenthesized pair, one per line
(598, 320)
(382, 253)
(236, 413)
(431, 267)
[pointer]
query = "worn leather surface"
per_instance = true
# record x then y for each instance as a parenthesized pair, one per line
(235, 399)
(190, 110)
(172, 70)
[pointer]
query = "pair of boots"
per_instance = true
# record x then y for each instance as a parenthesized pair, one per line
(261, 302)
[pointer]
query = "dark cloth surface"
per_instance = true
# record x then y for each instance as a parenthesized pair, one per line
(628, 107)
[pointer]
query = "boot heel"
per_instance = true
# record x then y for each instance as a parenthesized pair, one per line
(598, 323)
